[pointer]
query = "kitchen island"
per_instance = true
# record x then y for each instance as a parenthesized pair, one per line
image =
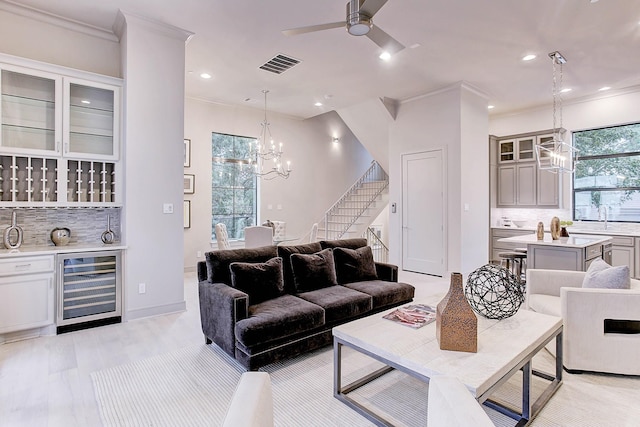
(567, 253)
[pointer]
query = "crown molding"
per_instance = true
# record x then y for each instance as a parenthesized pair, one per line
(156, 26)
(59, 21)
(448, 88)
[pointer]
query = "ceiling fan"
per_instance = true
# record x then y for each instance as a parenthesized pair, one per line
(358, 23)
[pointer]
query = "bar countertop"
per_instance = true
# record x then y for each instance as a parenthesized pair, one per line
(570, 242)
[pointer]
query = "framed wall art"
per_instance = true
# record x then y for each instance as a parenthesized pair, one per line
(187, 153)
(186, 213)
(189, 184)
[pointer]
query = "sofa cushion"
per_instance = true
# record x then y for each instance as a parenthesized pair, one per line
(339, 303)
(285, 252)
(313, 271)
(602, 275)
(344, 243)
(545, 304)
(278, 318)
(354, 265)
(384, 293)
(218, 261)
(261, 280)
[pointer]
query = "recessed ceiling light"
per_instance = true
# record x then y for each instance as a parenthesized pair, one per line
(385, 56)
(566, 89)
(86, 101)
(605, 88)
(528, 57)
(490, 107)
(318, 104)
(205, 75)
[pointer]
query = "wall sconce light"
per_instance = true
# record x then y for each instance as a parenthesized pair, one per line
(335, 140)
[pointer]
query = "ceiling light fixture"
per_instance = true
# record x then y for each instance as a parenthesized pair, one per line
(205, 75)
(385, 56)
(490, 107)
(318, 104)
(604, 88)
(556, 155)
(528, 57)
(265, 150)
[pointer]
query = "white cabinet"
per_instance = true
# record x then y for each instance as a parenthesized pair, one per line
(60, 141)
(91, 120)
(26, 293)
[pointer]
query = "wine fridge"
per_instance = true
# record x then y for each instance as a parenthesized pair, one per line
(89, 289)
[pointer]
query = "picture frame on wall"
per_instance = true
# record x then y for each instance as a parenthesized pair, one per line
(189, 184)
(186, 213)
(187, 153)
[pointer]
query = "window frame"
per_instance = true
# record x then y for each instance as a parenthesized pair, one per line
(256, 183)
(579, 158)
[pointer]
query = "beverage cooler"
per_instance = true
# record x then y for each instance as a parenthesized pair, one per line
(89, 290)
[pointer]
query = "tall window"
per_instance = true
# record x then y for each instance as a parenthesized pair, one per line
(607, 176)
(233, 186)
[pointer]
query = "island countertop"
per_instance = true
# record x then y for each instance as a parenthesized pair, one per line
(569, 242)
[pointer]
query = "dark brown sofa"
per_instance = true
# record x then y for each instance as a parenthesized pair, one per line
(286, 299)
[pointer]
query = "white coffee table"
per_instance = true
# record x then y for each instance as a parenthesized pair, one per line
(504, 347)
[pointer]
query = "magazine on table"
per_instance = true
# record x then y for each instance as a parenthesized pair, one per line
(414, 315)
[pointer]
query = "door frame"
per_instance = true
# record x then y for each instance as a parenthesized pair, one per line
(445, 201)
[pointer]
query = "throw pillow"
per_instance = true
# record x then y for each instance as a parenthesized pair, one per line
(313, 271)
(261, 281)
(602, 275)
(354, 265)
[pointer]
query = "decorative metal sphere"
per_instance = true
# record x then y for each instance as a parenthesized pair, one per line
(494, 292)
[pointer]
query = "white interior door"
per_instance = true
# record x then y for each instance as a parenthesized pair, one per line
(423, 212)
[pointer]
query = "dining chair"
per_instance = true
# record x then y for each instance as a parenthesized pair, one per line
(313, 236)
(258, 236)
(221, 236)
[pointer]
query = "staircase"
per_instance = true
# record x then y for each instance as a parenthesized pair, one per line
(352, 214)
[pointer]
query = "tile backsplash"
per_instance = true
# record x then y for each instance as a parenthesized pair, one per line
(86, 224)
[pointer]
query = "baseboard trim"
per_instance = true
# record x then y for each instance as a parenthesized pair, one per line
(155, 311)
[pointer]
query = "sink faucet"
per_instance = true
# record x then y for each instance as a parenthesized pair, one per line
(602, 212)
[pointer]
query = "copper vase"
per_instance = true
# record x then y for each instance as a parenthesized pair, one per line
(456, 323)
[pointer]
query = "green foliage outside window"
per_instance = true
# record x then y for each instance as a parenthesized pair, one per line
(233, 186)
(607, 175)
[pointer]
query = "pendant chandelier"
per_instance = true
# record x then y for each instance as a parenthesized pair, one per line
(556, 155)
(265, 157)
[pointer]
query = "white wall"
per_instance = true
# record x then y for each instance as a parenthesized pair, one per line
(454, 119)
(322, 170)
(31, 35)
(153, 68)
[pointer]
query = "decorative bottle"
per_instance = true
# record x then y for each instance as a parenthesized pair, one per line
(540, 231)
(555, 228)
(456, 323)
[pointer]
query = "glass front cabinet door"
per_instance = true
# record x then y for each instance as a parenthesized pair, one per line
(30, 111)
(91, 120)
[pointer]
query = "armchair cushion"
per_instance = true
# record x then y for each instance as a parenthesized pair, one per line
(354, 265)
(602, 275)
(313, 271)
(261, 281)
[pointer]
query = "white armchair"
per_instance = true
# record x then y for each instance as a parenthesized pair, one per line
(257, 236)
(586, 345)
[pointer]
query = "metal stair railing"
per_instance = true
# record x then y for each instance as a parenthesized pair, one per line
(379, 249)
(355, 201)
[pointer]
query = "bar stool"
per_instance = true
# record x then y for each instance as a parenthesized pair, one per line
(514, 261)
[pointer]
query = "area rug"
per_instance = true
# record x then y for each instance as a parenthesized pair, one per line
(193, 387)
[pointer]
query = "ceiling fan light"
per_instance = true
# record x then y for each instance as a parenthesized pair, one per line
(359, 29)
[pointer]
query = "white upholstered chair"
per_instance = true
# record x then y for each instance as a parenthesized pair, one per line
(258, 236)
(279, 230)
(221, 236)
(252, 402)
(313, 236)
(586, 312)
(452, 405)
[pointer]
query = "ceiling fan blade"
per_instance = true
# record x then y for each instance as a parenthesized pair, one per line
(312, 28)
(370, 7)
(384, 40)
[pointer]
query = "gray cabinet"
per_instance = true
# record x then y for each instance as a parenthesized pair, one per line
(623, 252)
(500, 233)
(519, 181)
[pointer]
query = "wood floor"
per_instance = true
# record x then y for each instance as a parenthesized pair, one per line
(46, 381)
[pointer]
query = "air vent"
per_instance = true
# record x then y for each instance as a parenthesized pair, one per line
(279, 64)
